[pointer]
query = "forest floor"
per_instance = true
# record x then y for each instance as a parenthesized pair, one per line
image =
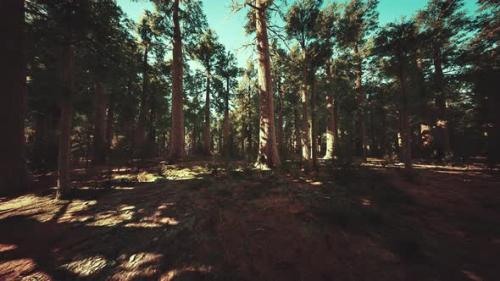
(226, 221)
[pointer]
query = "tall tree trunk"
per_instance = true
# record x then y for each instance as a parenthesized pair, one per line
(177, 151)
(99, 145)
(12, 101)
(405, 130)
(279, 135)
(441, 122)
(207, 144)
(331, 129)
(314, 139)
(249, 122)
(268, 153)
(358, 86)
(297, 131)
(66, 108)
(109, 125)
(226, 126)
(305, 138)
(140, 132)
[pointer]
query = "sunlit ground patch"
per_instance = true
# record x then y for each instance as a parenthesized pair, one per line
(87, 266)
(173, 274)
(142, 264)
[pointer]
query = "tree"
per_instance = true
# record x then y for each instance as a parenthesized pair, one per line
(358, 22)
(13, 83)
(267, 156)
(396, 44)
(312, 28)
(227, 70)
(442, 21)
(205, 51)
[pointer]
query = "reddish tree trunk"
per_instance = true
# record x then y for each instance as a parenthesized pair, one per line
(177, 141)
(12, 101)
(268, 153)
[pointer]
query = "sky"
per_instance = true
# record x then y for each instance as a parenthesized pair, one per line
(229, 25)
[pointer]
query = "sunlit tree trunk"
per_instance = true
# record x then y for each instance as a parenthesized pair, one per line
(331, 129)
(305, 139)
(66, 108)
(268, 152)
(99, 145)
(177, 151)
(206, 129)
(358, 86)
(249, 123)
(12, 100)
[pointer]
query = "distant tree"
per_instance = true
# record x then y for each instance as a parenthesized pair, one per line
(358, 22)
(396, 44)
(443, 21)
(205, 51)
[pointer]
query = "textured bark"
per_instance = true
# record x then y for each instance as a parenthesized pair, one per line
(177, 141)
(99, 145)
(249, 123)
(358, 86)
(66, 109)
(268, 153)
(207, 147)
(12, 100)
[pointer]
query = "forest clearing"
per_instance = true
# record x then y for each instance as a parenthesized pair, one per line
(225, 221)
(267, 140)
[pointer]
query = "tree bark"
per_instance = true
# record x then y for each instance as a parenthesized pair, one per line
(66, 109)
(177, 141)
(99, 145)
(279, 135)
(268, 153)
(12, 101)
(140, 134)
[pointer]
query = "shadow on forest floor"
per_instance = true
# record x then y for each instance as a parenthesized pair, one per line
(216, 221)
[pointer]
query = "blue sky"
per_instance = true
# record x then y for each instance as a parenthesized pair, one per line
(229, 26)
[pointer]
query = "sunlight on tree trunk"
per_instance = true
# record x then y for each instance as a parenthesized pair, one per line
(268, 153)
(177, 151)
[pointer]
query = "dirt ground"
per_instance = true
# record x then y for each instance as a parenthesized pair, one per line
(225, 221)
